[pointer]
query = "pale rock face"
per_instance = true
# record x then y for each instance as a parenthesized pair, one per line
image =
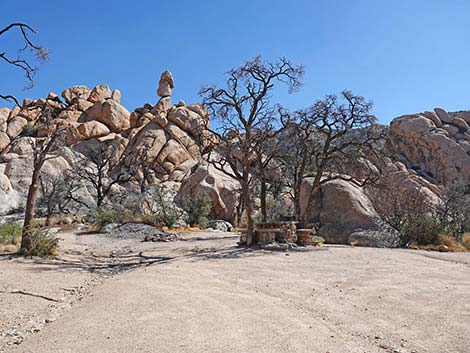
(440, 154)
(116, 96)
(162, 107)
(166, 84)
(92, 129)
(347, 215)
(222, 190)
(4, 140)
(115, 116)
(100, 93)
(4, 114)
(83, 104)
(77, 92)
(15, 126)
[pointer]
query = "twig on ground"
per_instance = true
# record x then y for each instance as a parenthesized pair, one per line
(18, 291)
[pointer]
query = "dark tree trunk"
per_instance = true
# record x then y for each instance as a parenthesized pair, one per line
(263, 195)
(297, 209)
(248, 206)
(26, 240)
(311, 214)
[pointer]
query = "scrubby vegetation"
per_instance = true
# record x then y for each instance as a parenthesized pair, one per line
(421, 223)
(10, 235)
(43, 244)
(197, 210)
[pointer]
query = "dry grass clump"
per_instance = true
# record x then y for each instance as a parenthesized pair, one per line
(43, 244)
(8, 248)
(10, 237)
(445, 243)
(466, 241)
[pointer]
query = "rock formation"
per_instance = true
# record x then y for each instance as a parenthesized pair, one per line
(169, 138)
(427, 151)
(436, 145)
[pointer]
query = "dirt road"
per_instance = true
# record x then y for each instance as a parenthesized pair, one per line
(206, 295)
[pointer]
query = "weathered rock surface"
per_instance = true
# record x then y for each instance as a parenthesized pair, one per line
(115, 116)
(222, 190)
(438, 152)
(166, 84)
(347, 216)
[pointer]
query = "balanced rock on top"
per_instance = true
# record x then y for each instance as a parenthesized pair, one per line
(166, 84)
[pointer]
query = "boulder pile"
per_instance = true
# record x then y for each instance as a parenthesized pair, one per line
(165, 143)
(435, 145)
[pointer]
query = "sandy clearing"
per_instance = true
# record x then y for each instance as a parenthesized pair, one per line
(210, 296)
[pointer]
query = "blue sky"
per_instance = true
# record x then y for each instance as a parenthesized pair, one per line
(406, 56)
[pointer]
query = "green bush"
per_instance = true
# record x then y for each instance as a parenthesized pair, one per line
(10, 233)
(423, 231)
(197, 209)
(318, 240)
(168, 217)
(30, 130)
(103, 215)
(43, 244)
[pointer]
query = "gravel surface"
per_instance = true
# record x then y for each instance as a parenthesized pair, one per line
(207, 295)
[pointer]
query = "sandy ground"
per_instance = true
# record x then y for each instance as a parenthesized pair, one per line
(206, 295)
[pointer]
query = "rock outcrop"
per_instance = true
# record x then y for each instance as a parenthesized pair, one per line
(168, 138)
(172, 137)
(436, 145)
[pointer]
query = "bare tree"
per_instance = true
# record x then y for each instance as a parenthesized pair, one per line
(244, 107)
(43, 149)
(21, 62)
(102, 170)
(59, 194)
(454, 210)
(267, 149)
(327, 141)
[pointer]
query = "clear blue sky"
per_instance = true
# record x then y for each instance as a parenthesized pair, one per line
(407, 56)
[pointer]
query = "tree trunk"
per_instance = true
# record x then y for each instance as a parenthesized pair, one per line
(297, 209)
(313, 196)
(248, 207)
(263, 195)
(99, 198)
(26, 240)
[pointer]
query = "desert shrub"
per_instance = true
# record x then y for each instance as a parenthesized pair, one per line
(43, 244)
(197, 209)
(10, 233)
(454, 211)
(408, 210)
(102, 215)
(154, 206)
(318, 240)
(423, 231)
(30, 131)
(168, 217)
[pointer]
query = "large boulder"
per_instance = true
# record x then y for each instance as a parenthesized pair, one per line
(92, 129)
(115, 116)
(100, 93)
(346, 215)
(16, 126)
(222, 190)
(71, 95)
